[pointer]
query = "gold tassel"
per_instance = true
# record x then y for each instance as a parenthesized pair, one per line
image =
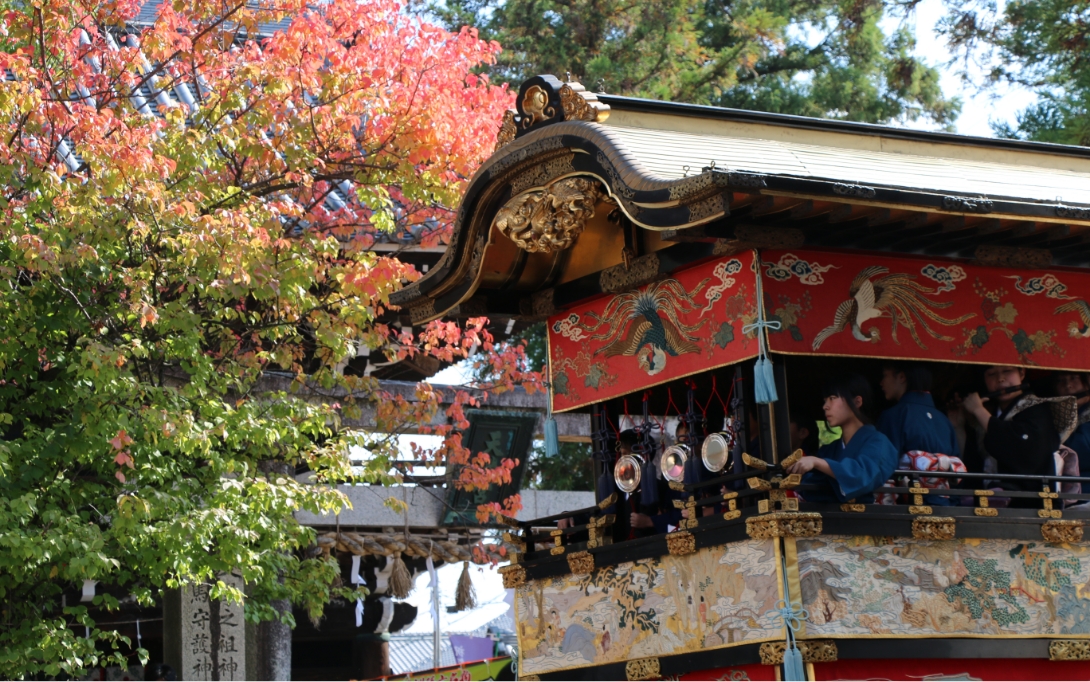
(466, 597)
(401, 582)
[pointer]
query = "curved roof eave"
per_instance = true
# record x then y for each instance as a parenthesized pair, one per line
(651, 176)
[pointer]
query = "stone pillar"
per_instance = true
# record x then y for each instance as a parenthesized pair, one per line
(268, 647)
(270, 641)
(213, 635)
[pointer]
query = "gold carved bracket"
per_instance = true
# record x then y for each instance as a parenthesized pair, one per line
(784, 525)
(680, 543)
(1069, 650)
(812, 650)
(581, 563)
(934, 528)
(640, 271)
(513, 575)
(643, 669)
(549, 218)
(1059, 532)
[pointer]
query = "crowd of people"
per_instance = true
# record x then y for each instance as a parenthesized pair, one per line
(1009, 429)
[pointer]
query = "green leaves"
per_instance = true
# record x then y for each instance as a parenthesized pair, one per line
(154, 290)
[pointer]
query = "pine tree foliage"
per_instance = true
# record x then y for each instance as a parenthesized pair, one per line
(847, 59)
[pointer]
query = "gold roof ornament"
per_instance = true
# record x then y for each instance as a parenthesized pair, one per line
(543, 100)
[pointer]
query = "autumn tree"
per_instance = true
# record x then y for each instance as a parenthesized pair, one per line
(825, 58)
(186, 208)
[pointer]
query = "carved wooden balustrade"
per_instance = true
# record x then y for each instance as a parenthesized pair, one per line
(865, 581)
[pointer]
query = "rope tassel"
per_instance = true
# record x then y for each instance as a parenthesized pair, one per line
(401, 582)
(764, 382)
(466, 597)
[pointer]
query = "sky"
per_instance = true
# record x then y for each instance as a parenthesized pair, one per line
(978, 110)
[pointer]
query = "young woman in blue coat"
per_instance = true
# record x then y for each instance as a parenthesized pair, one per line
(862, 460)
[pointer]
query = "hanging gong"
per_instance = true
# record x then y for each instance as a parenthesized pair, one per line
(673, 461)
(627, 472)
(717, 448)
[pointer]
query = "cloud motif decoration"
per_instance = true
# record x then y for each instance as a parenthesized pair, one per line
(945, 276)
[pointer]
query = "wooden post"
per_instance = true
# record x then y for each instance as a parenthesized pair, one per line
(781, 411)
(371, 654)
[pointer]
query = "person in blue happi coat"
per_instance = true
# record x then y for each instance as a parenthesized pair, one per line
(914, 423)
(1077, 384)
(860, 461)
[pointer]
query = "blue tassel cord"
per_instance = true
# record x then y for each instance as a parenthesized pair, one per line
(552, 436)
(764, 383)
(793, 668)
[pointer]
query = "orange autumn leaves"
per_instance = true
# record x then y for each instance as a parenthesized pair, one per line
(203, 190)
(122, 456)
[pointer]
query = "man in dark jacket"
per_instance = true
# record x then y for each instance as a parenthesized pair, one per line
(1021, 436)
(914, 423)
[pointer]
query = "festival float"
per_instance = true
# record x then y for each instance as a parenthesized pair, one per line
(710, 266)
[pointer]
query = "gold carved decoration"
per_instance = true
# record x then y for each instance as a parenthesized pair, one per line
(754, 237)
(725, 247)
(812, 650)
(543, 173)
(680, 543)
(755, 462)
(643, 669)
(853, 508)
(549, 219)
(508, 130)
(540, 304)
(535, 105)
(580, 105)
(789, 461)
(422, 311)
(784, 525)
(934, 528)
(705, 208)
(691, 186)
(1013, 257)
(1048, 512)
(986, 511)
(920, 509)
(513, 576)
(581, 563)
(618, 278)
(1059, 532)
(1069, 650)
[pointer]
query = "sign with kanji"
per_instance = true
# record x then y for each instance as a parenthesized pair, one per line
(213, 635)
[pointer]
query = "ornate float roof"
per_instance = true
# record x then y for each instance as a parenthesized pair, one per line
(590, 193)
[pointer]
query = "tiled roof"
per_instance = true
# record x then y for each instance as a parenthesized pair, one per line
(410, 653)
(149, 11)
